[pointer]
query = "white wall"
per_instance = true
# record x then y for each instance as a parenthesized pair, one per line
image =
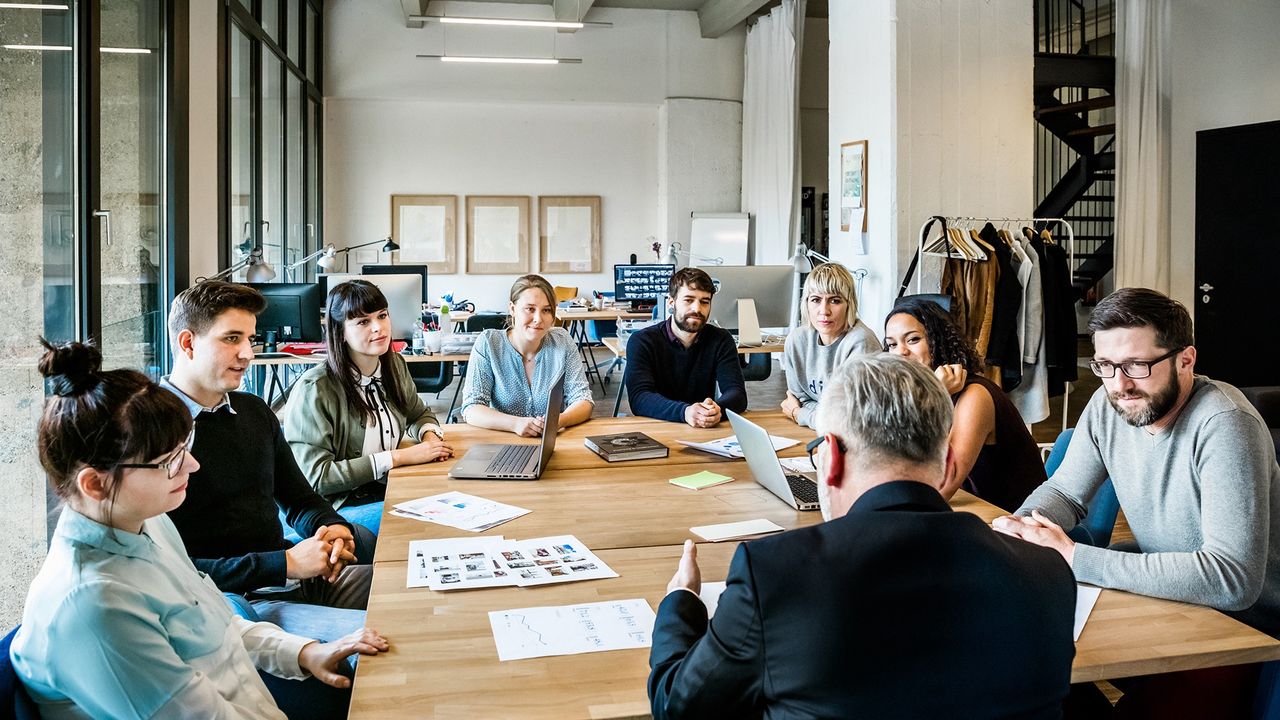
(699, 163)
(1223, 74)
(399, 124)
(942, 92)
(861, 97)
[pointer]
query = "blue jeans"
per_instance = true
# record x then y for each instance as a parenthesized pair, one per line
(308, 698)
(312, 621)
(368, 515)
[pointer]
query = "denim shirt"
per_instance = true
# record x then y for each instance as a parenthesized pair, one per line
(496, 377)
(122, 625)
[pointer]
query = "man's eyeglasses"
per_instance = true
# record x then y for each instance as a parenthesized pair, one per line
(812, 447)
(170, 466)
(1134, 369)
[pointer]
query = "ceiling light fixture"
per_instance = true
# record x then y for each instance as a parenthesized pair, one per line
(67, 48)
(510, 22)
(30, 6)
(508, 60)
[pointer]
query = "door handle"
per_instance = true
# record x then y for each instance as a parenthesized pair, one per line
(1205, 288)
(106, 219)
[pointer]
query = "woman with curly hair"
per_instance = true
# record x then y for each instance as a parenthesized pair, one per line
(993, 454)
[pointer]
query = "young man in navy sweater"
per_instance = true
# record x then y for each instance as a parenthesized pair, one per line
(674, 368)
(230, 522)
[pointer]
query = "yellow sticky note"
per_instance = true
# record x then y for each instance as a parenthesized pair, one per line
(698, 481)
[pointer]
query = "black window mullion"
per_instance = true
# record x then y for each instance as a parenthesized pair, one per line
(88, 110)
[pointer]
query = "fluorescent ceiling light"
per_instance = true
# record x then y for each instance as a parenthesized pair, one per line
(67, 48)
(507, 60)
(510, 22)
(30, 6)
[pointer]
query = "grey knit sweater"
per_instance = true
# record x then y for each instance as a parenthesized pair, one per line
(807, 362)
(1202, 499)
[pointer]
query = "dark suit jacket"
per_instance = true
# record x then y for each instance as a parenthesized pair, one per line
(902, 608)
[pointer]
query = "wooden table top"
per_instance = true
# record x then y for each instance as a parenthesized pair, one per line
(617, 348)
(318, 359)
(602, 314)
(443, 662)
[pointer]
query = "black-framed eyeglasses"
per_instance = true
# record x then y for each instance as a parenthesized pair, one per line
(170, 466)
(1133, 369)
(812, 447)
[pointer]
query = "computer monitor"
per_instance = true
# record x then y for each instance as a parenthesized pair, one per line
(404, 298)
(293, 311)
(641, 283)
(401, 270)
(769, 285)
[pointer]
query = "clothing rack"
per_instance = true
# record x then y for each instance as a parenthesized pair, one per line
(952, 220)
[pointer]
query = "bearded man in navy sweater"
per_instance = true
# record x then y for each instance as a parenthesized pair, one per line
(674, 368)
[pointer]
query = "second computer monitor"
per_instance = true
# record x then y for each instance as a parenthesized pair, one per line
(293, 311)
(400, 270)
(769, 285)
(404, 298)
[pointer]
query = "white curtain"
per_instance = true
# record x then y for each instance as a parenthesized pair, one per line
(771, 132)
(1143, 139)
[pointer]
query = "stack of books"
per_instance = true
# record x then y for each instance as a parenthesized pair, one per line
(626, 446)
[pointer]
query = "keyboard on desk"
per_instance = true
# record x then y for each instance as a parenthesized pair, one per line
(512, 459)
(805, 490)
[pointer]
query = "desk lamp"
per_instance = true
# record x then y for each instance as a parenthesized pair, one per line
(327, 260)
(259, 270)
(674, 251)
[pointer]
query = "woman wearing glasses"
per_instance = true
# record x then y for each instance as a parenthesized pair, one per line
(995, 456)
(118, 622)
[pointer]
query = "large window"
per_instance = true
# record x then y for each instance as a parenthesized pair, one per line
(273, 134)
(86, 198)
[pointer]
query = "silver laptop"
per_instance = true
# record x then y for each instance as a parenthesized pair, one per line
(514, 462)
(795, 490)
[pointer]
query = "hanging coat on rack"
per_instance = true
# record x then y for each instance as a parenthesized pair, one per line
(1002, 349)
(1059, 315)
(1031, 397)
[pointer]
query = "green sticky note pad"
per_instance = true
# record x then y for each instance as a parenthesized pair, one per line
(698, 481)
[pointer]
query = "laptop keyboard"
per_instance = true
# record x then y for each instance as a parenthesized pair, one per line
(803, 488)
(512, 459)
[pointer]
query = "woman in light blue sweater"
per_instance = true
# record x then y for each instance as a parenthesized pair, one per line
(511, 371)
(832, 334)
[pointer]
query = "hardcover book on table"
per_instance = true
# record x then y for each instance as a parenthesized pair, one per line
(626, 446)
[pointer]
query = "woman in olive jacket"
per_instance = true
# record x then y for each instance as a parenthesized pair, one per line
(346, 419)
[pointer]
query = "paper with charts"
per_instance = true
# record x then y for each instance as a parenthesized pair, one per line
(459, 510)
(468, 563)
(729, 447)
(572, 629)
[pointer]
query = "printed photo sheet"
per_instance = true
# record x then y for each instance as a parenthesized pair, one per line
(465, 563)
(572, 629)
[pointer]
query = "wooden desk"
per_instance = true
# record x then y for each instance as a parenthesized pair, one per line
(620, 350)
(602, 314)
(443, 663)
(318, 359)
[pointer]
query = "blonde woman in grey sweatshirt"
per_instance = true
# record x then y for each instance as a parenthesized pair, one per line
(831, 334)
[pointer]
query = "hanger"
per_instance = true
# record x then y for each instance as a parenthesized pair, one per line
(979, 241)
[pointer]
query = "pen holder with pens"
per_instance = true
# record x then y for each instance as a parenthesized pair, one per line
(432, 340)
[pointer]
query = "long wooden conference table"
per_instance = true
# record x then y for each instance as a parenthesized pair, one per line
(443, 662)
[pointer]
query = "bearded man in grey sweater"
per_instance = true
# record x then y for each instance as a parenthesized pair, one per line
(1194, 468)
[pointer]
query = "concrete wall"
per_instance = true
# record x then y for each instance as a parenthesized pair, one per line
(942, 93)
(1223, 75)
(650, 121)
(203, 139)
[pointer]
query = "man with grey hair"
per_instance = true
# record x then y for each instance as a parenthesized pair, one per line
(887, 609)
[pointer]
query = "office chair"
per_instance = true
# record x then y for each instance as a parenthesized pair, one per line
(14, 700)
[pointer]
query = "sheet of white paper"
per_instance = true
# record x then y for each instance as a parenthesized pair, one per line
(568, 234)
(1086, 598)
(496, 233)
(572, 629)
(422, 233)
(710, 596)
(459, 510)
(800, 466)
(443, 564)
(729, 531)
(729, 447)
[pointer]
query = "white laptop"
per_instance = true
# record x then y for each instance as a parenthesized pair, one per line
(795, 490)
(514, 461)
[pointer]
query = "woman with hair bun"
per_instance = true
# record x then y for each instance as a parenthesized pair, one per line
(118, 622)
(994, 455)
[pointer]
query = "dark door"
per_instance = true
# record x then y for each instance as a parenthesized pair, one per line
(1238, 254)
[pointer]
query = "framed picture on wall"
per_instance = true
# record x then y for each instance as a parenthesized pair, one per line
(853, 185)
(425, 228)
(569, 233)
(497, 234)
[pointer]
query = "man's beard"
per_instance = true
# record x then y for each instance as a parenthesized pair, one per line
(1157, 405)
(683, 324)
